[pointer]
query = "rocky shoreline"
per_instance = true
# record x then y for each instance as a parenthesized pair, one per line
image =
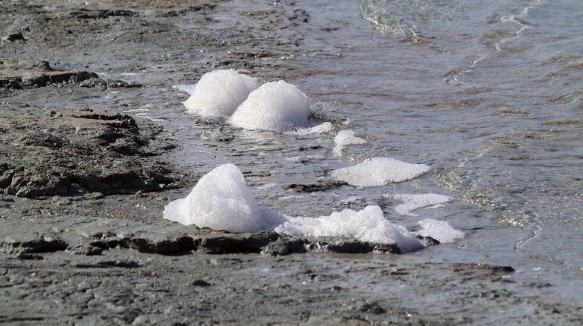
(83, 184)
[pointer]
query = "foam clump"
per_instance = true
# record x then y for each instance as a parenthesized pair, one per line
(367, 225)
(276, 106)
(439, 230)
(219, 93)
(345, 138)
(187, 88)
(413, 202)
(322, 128)
(222, 201)
(379, 171)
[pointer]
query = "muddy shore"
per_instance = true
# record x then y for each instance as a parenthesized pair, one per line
(83, 183)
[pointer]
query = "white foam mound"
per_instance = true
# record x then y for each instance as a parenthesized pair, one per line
(221, 201)
(439, 230)
(379, 171)
(367, 225)
(413, 202)
(345, 138)
(276, 106)
(219, 93)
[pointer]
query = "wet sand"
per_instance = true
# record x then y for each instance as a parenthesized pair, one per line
(82, 237)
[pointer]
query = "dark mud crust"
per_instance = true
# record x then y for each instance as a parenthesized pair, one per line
(17, 74)
(320, 185)
(77, 152)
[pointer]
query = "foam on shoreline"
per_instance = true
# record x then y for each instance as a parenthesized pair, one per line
(219, 93)
(276, 106)
(345, 138)
(439, 230)
(367, 225)
(221, 200)
(379, 171)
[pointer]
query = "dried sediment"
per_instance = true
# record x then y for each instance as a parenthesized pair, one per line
(90, 238)
(79, 151)
(17, 74)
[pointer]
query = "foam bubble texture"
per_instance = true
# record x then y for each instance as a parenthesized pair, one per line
(367, 225)
(413, 202)
(318, 129)
(222, 201)
(187, 88)
(276, 106)
(379, 171)
(439, 230)
(344, 138)
(219, 93)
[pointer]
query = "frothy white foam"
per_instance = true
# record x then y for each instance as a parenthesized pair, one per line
(379, 171)
(413, 202)
(187, 88)
(439, 230)
(219, 93)
(268, 186)
(276, 106)
(319, 129)
(367, 225)
(221, 201)
(344, 138)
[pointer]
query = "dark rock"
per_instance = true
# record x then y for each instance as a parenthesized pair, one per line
(27, 256)
(237, 243)
(101, 14)
(503, 269)
(109, 264)
(36, 245)
(111, 241)
(201, 283)
(14, 37)
(352, 247)
(171, 246)
(372, 308)
(119, 263)
(320, 185)
(428, 241)
(284, 246)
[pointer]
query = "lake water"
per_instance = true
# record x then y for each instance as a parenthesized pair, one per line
(489, 94)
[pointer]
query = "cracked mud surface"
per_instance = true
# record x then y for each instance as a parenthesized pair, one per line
(83, 183)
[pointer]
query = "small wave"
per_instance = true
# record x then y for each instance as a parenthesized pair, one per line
(498, 38)
(401, 17)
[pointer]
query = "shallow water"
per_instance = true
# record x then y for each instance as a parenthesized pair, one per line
(488, 94)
